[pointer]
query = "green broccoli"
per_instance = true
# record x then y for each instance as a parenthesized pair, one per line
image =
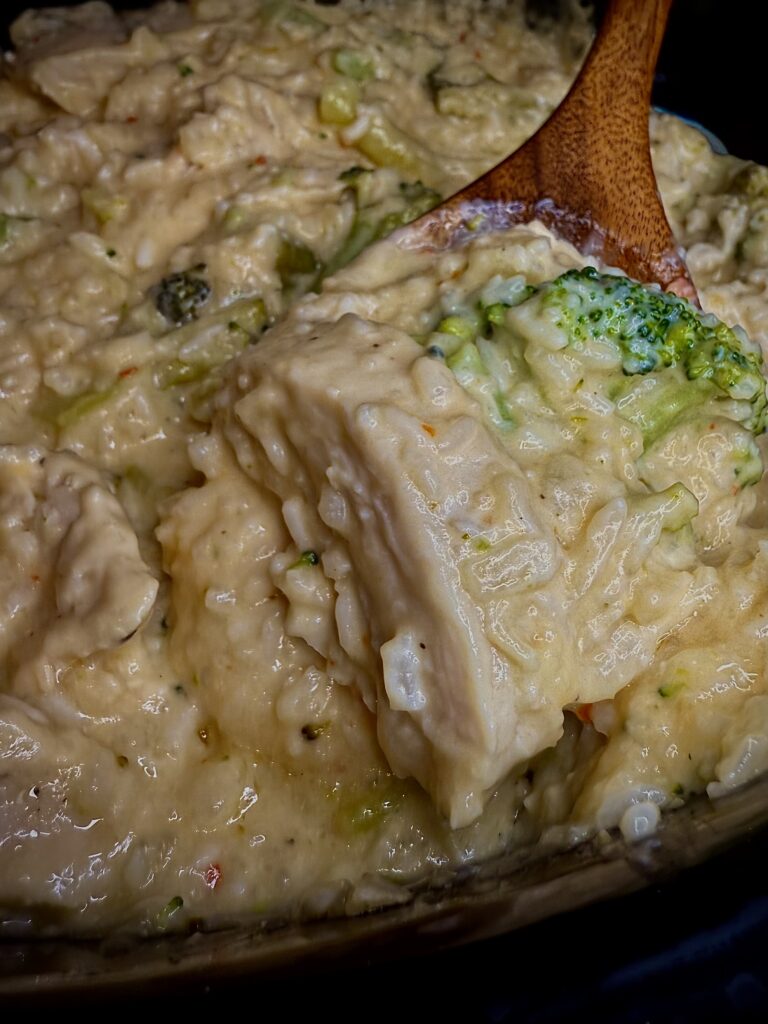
(352, 64)
(306, 560)
(180, 296)
(372, 223)
(655, 401)
(654, 330)
(295, 263)
(658, 360)
(164, 917)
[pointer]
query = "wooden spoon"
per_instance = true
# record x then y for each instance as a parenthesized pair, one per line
(586, 173)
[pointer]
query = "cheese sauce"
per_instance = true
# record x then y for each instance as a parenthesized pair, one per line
(290, 606)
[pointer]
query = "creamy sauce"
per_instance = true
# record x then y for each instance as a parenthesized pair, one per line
(285, 632)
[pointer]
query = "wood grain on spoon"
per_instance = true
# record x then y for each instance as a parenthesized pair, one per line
(587, 173)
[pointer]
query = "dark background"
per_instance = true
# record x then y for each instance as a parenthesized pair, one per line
(714, 68)
(694, 949)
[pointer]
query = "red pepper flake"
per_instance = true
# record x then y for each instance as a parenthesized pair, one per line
(128, 372)
(132, 119)
(258, 161)
(478, 54)
(428, 429)
(583, 712)
(35, 578)
(212, 875)
(462, 36)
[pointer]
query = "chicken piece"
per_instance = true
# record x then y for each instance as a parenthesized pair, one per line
(72, 580)
(431, 576)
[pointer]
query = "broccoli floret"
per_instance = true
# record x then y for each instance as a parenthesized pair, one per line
(180, 296)
(654, 330)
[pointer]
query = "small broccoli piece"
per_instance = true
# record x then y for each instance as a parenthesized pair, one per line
(748, 465)
(105, 206)
(338, 102)
(653, 330)
(294, 262)
(476, 100)
(363, 233)
(306, 560)
(180, 296)
(472, 339)
(370, 225)
(467, 362)
(165, 916)
(465, 328)
(499, 295)
(387, 146)
(480, 314)
(204, 345)
(366, 185)
(653, 402)
(352, 64)
(418, 199)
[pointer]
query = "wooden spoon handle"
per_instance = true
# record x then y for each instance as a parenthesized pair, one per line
(594, 151)
(587, 171)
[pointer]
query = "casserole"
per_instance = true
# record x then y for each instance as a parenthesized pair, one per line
(550, 862)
